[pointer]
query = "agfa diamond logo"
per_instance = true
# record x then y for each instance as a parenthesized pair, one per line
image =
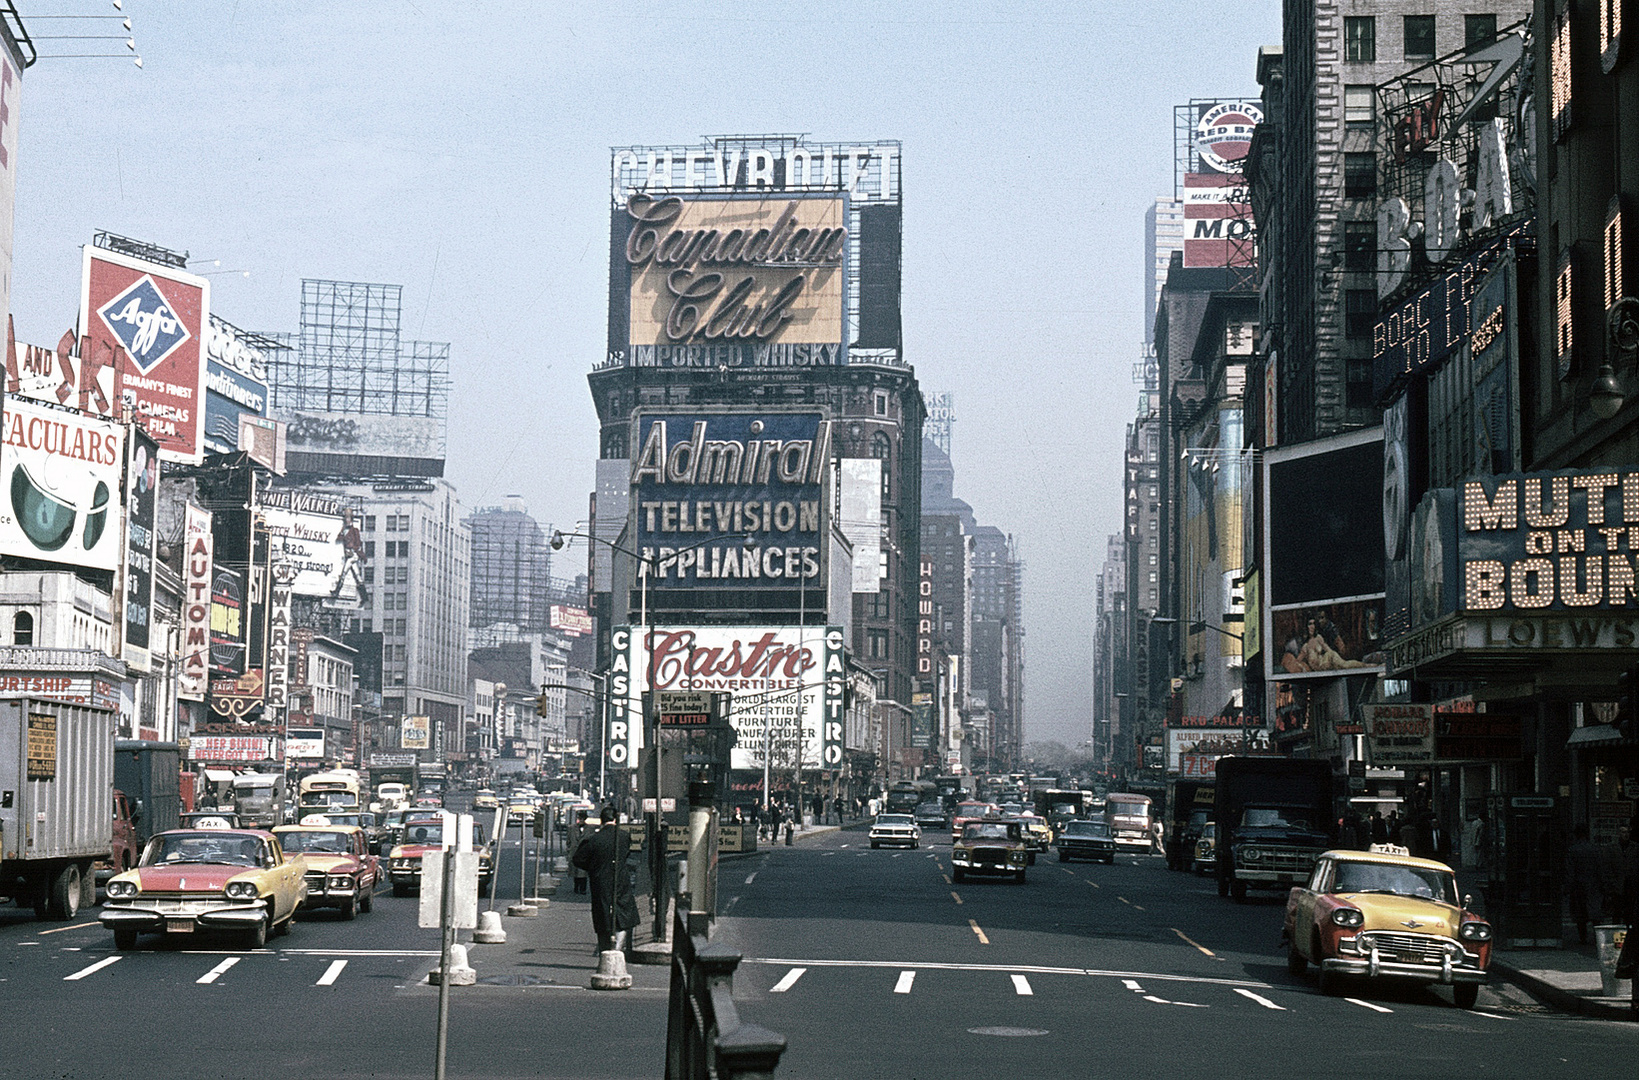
(145, 323)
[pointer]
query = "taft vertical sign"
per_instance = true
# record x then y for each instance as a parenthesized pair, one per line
(151, 322)
(141, 492)
(194, 678)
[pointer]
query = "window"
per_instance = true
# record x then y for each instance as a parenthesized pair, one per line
(1359, 313)
(1359, 106)
(1152, 575)
(1360, 175)
(1357, 387)
(1419, 37)
(369, 549)
(1479, 30)
(1560, 71)
(1359, 245)
(22, 628)
(879, 402)
(369, 574)
(876, 644)
(392, 523)
(398, 627)
(1360, 37)
(369, 523)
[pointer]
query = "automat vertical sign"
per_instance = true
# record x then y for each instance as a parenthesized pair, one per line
(194, 677)
(149, 321)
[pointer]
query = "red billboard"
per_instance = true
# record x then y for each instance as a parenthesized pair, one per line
(149, 322)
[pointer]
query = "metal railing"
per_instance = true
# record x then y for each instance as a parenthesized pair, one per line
(705, 1036)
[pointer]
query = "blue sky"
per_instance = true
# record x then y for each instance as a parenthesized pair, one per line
(462, 150)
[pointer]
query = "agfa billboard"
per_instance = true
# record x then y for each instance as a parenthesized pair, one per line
(150, 320)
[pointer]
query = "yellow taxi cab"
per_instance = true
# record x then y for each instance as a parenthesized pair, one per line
(484, 799)
(1382, 914)
(341, 872)
(207, 879)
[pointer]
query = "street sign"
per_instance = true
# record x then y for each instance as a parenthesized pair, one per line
(682, 701)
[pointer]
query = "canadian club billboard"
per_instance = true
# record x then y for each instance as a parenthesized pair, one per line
(785, 685)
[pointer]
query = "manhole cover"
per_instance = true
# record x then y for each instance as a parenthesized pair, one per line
(1009, 1032)
(515, 980)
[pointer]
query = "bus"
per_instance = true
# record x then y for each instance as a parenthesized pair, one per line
(331, 790)
(1129, 819)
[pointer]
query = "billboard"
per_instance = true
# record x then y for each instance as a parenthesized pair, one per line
(786, 687)
(1209, 743)
(80, 688)
(1218, 227)
(235, 382)
(62, 473)
(1399, 735)
(196, 603)
(150, 319)
(1223, 134)
(58, 377)
(141, 498)
(730, 500)
(304, 744)
(1323, 582)
(415, 733)
(227, 621)
(860, 518)
(315, 537)
(571, 620)
(233, 748)
(343, 434)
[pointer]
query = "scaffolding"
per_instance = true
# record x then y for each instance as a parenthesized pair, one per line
(350, 358)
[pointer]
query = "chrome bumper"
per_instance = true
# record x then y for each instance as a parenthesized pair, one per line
(1371, 967)
(159, 916)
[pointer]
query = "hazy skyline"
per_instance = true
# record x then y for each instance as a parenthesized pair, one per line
(466, 157)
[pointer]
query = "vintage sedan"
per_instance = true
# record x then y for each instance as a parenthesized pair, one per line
(1383, 914)
(931, 815)
(1206, 850)
(421, 835)
(967, 811)
(341, 872)
(990, 847)
(207, 879)
(897, 830)
(1037, 833)
(1086, 840)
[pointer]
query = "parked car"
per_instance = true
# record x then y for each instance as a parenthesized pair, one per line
(1086, 840)
(1382, 914)
(897, 830)
(192, 880)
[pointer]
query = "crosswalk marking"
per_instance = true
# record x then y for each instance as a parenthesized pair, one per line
(331, 973)
(93, 969)
(1132, 984)
(217, 972)
(1259, 998)
(1367, 1005)
(903, 986)
(1021, 986)
(788, 982)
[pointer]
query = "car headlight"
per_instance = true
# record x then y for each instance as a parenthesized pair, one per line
(341, 883)
(1016, 857)
(1475, 931)
(122, 890)
(241, 890)
(1348, 916)
(403, 864)
(1251, 854)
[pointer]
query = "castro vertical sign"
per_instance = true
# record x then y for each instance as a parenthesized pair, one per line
(149, 321)
(703, 484)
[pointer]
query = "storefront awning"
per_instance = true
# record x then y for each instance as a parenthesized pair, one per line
(1594, 735)
(219, 776)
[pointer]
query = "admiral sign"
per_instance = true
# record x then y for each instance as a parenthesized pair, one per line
(712, 480)
(152, 319)
(785, 686)
(62, 473)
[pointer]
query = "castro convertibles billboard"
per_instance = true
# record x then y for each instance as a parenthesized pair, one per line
(150, 321)
(785, 687)
(731, 499)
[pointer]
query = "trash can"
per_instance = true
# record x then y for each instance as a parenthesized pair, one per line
(1608, 943)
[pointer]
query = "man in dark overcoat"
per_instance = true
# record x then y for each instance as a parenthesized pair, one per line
(602, 854)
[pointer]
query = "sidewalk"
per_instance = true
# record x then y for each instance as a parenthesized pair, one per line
(1567, 978)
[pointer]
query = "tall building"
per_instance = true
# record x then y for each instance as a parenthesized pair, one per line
(1163, 235)
(511, 568)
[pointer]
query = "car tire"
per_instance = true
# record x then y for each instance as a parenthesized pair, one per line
(1223, 887)
(1296, 964)
(256, 936)
(367, 898)
(1064, 856)
(1331, 984)
(350, 909)
(1237, 889)
(1018, 878)
(875, 845)
(125, 938)
(1109, 860)
(916, 845)
(65, 893)
(1465, 994)
(400, 890)
(956, 874)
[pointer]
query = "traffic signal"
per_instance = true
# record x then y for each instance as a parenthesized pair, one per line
(541, 707)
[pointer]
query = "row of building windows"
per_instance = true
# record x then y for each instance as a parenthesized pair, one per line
(1416, 36)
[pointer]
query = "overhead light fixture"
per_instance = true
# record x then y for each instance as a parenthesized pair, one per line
(119, 5)
(139, 61)
(126, 23)
(131, 43)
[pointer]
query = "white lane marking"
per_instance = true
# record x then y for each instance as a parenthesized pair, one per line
(751, 877)
(361, 952)
(1367, 1005)
(331, 973)
(1033, 969)
(23, 944)
(1021, 986)
(93, 969)
(217, 972)
(825, 853)
(903, 986)
(65, 929)
(1164, 1001)
(1132, 984)
(897, 854)
(844, 845)
(788, 982)
(1259, 998)
(1494, 1016)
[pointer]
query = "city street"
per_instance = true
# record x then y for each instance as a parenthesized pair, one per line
(869, 962)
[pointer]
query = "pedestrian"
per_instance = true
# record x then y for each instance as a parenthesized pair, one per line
(603, 854)
(836, 804)
(1584, 881)
(1629, 848)
(737, 818)
(1379, 828)
(577, 832)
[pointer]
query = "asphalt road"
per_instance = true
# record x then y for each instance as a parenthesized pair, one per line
(870, 963)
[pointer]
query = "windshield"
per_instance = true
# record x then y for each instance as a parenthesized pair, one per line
(1274, 817)
(333, 843)
(1086, 828)
(893, 819)
(234, 849)
(989, 831)
(1365, 877)
(329, 798)
(1197, 819)
(424, 832)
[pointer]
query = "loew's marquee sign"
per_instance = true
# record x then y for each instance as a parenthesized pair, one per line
(785, 687)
